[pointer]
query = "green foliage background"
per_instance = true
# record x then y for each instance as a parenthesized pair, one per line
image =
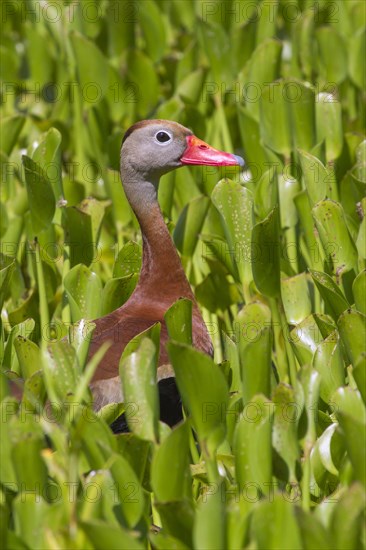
(272, 452)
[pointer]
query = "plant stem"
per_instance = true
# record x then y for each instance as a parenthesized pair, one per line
(43, 304)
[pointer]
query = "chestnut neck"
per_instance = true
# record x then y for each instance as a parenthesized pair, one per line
(162, 277)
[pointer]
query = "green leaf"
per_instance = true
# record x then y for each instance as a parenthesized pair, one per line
(128, 488)
(262, 68)
(332, 54)
(356, 63)
(109, 537)
(275, 118)
(209, 526)
(337, 242)
(313, 532)
(347, 519)
(60, 370)
(330, 292)
(178, 319)
(352, 329)
(266, 193)
(315, 176)
(116, 292)
(351, 415)
(250, 135)
(329, 363)
(144, 82)
(274, 525)
(138, 375)
(266, 254)
(301, 99)
(7, 266)
(48, 157)
(31, 519)
(40, 195)
(128, 261)
(153, 29)
(92, 69)
(329, 124)
(10, 129)
(83, 289)
(170, 473)
(28, 356)
(204, 391)
(190, 224)
(284, 436)
(288, 188)
(252, 445)
(255, 346)
(80, 335)
(295, 294)
(305, 338)
(235, 205)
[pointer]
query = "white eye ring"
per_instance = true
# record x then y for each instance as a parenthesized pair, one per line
(164, 133)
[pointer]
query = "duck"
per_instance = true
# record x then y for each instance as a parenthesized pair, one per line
(150, 149)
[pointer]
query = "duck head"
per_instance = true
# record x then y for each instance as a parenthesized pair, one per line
(151, 148)
(159, 146)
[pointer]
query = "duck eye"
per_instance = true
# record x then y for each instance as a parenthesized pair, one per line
(163, 137)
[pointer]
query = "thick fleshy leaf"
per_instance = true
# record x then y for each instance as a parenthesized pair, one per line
(7, 266)
(347, 519)
(154, 29)
(189, 225)
(209, 525)
(138, 375)
(48, 157)
(330, 292)
(266, 254)
(284, 436)
(170, 473)
(28, 356)
(128, 261)
(103, 535)
(235, 205)
(351, 415)
(359, 291)
(301, 98)
(356, 58)
(252, 445)
(142, 70)
(315, 176)
(255, 348)
(274, 118)
(204, 392)
(352, 329)
(92, 69)
(40, 195)
(60, 370)
(116, 292)
(83, 289)
(266, 193)
(332, 54)
(284, 532)
(263, 67)
(288, 188)
(329, 124)
(295, 293)
(305, 338)
(178, 319)
(334, 235)
(10, 129)
(329, 363)
(128, 488)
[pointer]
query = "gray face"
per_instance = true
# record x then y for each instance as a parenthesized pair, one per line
(153, 148)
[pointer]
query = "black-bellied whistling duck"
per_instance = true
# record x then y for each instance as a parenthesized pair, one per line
(151, 148)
